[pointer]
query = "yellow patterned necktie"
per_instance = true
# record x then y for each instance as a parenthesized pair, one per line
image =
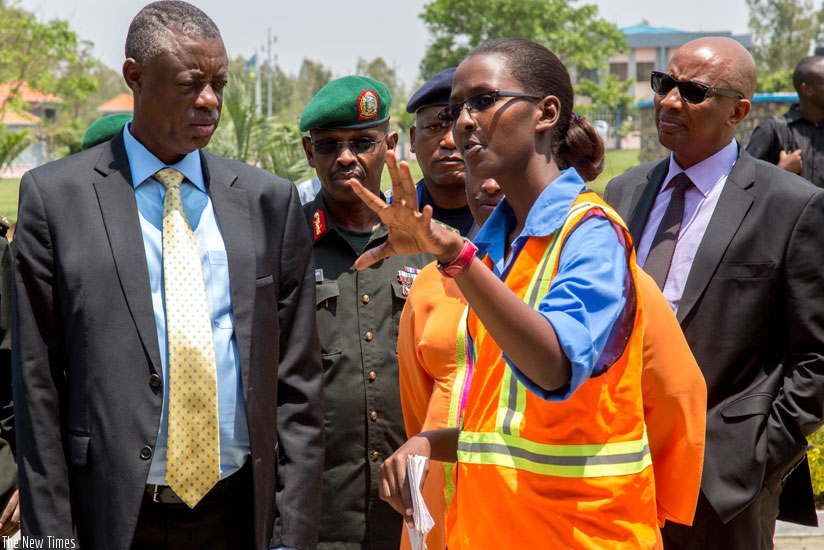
(193, 453)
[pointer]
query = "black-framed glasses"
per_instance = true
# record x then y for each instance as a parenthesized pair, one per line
(477, 103)
(691, 92)
(359, 146)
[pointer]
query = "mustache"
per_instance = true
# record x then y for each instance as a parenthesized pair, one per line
(348, 173)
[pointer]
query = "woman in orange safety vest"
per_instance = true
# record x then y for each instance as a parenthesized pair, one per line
(552, 450)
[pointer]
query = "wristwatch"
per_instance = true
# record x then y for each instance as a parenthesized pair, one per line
(457, 266)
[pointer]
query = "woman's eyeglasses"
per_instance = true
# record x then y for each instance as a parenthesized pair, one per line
(359, 146)
(478, 103)
(691, 92)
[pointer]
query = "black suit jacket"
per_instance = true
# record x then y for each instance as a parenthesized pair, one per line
(753, 313)
(85, 347)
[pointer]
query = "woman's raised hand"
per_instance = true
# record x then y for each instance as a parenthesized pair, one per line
(410, 231)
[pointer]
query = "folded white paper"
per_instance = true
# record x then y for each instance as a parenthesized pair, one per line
(423, 521)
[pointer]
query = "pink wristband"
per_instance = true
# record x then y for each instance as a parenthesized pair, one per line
(457, 266)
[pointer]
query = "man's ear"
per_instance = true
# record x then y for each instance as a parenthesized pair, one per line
(805, 90)
(307, 148)
(550, 111)
(391, 140)
(132, 74)
(740, 111)
(412, 131)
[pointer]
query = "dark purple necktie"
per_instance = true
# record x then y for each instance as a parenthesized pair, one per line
(659, 258)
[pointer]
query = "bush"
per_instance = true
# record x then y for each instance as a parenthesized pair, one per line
(815, 455)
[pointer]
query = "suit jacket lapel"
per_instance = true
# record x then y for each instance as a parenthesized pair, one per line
(733, 204)
(231, 208)
(643, 198)
(115, 195)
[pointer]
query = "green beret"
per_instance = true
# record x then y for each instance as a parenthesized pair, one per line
(348, 102)
(103, 129)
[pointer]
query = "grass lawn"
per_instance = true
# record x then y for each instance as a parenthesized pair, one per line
(8, 198)
(386, 182)
(617, 162)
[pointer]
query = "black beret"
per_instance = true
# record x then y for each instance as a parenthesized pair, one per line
(435, 91)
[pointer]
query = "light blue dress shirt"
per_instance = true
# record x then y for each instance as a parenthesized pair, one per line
(586, 298)
(234, 432)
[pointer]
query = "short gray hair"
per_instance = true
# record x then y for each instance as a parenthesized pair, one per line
(151, 28)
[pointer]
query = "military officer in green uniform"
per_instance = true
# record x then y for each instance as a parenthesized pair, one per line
(358, 311)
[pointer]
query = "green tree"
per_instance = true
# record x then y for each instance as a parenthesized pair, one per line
(50, 58)
(41, 54)
(311, 78)
(574, 33)
(380, 71)
(610, 93)
(11, 145)
(263, 141)
(782, 33)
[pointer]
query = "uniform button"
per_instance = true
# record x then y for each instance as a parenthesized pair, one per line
(365, 298)
(375, 455)
(372, 376)
(154, 380)
(368, 336)
(373, 415)
(146, 453)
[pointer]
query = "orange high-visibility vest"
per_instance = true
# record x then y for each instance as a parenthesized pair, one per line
(533, 473)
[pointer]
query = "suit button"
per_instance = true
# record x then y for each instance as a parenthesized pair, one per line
(154, 380)
(375, 455)
(365, 298)
(373, 415)
(368, 336)
(146, 452)
(372, 376)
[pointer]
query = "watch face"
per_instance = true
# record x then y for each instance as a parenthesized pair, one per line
(451, 270)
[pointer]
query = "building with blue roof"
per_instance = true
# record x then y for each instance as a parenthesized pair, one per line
(650, 49)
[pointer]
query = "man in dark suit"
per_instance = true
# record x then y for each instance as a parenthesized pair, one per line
(746, 279)
(93, 375)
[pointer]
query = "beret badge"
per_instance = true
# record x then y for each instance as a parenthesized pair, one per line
(367, 105)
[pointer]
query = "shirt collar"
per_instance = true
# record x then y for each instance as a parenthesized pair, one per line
(709, 172)
(544, 218)
(794, 113)
(143, 164)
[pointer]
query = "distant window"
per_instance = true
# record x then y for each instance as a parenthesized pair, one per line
(590, 74)
(643, 71)
(619, 70)
(50, 114)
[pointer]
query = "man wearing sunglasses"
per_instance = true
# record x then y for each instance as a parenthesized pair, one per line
(736, 245)
(357, 311)
(443, 183)
(795, 140)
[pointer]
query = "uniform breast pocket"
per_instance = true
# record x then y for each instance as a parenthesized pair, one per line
(328, 293)
(220, 297)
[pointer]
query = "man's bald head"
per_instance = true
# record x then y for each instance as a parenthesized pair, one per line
(696, 130)
(729, 63)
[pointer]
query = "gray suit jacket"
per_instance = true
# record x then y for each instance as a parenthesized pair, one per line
(85, 347)
(753, 313)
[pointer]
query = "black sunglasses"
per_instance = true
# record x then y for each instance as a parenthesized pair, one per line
(478, 103)
(359, 146)
(691, 92)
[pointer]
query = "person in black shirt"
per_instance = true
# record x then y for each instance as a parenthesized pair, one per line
(795, 140)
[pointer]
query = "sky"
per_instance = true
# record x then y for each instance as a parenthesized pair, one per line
(336, 33)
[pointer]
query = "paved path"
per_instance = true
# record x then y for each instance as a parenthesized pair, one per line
(789, 536)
